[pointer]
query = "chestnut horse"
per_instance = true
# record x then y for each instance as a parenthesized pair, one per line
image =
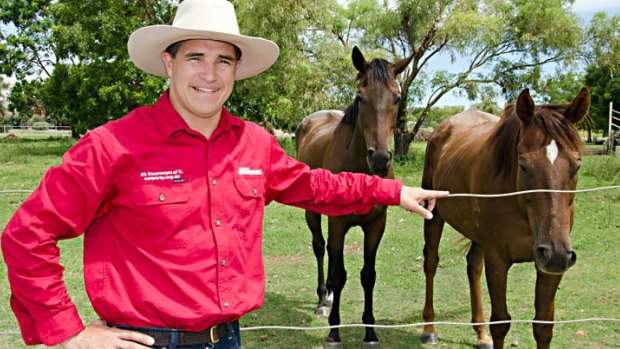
(356, 140)
(530, 147)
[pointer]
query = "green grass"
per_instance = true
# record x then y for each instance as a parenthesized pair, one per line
(590, 289)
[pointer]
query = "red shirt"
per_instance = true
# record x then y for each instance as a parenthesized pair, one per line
(172, 222)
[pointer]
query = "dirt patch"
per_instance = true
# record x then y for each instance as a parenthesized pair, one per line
(11, 137)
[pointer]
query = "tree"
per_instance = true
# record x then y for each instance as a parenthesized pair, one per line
(72, 56)
(501, 43)
(4, 89)
(314, 70)
(92, 38)
(25, 46)
(603, 71)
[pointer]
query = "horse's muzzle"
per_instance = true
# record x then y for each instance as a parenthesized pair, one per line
(551, 260)
(379, 162)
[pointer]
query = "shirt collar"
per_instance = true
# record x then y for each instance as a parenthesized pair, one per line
(170, 121)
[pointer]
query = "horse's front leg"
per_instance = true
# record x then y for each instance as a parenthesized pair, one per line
(546, 287)
(475, 265)
(337, 277)
(433, 230)
(373, 232)
(313, 220)
(496, 272)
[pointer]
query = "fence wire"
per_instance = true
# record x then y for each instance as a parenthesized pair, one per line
(420, 324)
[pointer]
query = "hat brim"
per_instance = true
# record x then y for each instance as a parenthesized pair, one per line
(146, 44)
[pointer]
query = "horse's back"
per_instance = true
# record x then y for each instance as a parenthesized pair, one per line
(464, 125)
(314, 134)
(459, 138)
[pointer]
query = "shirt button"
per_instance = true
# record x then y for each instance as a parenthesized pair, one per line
(217, 223)
(254, 191)
(162, 197)
(214, 181)
(226, 304)
(223, 262)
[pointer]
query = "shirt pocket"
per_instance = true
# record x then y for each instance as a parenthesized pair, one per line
(155, 195)
(250, 204)
(164, 212)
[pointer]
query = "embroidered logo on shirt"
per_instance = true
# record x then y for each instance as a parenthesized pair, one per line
(174, 175)
(246, 171)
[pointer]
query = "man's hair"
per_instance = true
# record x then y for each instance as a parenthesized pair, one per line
(174, 48)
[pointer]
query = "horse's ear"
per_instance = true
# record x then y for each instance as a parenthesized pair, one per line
(359, 62)
(399, 66)
(525, 107)
(579, 107)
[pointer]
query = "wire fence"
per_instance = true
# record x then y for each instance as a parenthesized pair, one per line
(421, 324)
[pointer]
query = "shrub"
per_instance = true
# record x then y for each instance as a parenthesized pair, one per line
(41, 126)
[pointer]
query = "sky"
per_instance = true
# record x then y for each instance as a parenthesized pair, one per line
(583, 8)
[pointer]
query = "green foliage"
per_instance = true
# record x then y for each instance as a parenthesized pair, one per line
(288, 144)
(77, 53)
(313, 72)
(41, 126)
(25, 98)
(603, 73)
(561, 87)
(437, 114)
(603, 168)
(603, 39)
(26, 49)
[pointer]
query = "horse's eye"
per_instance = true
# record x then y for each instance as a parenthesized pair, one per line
(574, 168)
(522, 166)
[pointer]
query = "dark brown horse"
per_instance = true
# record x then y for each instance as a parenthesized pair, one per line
(530, 147)
(357, 140)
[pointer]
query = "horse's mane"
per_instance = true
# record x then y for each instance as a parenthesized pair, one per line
(548, 117)
(378, 72)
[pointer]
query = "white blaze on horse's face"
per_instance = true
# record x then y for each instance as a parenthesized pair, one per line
(552, 151)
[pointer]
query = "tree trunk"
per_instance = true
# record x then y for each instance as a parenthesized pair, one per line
(402, 141)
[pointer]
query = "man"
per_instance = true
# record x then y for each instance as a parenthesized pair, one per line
(171, 200)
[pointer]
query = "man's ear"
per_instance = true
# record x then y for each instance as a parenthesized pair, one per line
(166, 58)
(237, 65)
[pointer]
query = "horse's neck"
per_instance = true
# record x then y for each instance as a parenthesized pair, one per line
(354, 147)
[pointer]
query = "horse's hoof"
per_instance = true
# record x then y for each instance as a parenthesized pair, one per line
(429, 338)
(485, 346)
(371, 345)
(332, 345)
(322, 311)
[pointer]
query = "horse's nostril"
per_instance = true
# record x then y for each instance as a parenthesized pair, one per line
(572, 258)
(543, 254)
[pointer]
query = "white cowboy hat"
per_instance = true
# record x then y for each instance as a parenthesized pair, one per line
(201, 19)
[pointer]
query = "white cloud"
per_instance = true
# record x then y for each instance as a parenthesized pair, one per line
(587, 6)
